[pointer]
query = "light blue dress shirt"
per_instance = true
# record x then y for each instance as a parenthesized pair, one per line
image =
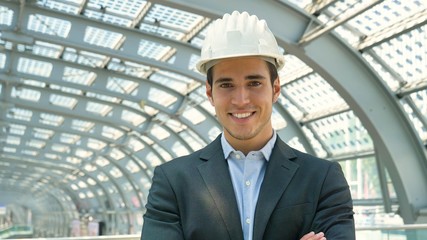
(247, 174)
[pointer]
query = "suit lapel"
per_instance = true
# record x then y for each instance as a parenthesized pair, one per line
(278, 175)
(217, 178)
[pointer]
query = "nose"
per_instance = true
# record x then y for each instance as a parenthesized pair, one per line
(240, 96)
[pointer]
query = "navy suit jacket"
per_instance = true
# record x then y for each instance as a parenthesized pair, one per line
(192, 198)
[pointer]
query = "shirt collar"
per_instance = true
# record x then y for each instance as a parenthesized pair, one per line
(266, 150)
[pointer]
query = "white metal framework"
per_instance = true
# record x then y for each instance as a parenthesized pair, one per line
(96, 93)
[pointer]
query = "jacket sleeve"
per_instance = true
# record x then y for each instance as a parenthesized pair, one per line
(335, 207)
(162, 219)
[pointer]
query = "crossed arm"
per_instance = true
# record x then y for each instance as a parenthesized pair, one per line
(162, 220)
(314, 236)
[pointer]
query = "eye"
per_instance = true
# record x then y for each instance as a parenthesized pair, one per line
(225, 85)
(254, 83)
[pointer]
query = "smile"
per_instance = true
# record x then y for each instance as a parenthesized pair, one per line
(241, 115)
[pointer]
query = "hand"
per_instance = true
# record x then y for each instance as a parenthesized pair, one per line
(313, 236)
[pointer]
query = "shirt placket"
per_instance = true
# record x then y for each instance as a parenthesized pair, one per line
(250, 175)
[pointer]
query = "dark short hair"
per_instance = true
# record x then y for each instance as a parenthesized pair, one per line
(271, 68)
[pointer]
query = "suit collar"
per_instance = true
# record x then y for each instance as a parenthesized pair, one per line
(265, 150)
(211, 150)
(279, 173)
(217, 179)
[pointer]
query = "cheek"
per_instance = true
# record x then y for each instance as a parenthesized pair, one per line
(217, 98)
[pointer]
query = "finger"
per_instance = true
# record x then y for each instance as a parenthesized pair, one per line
(319, 236)
(307, 236)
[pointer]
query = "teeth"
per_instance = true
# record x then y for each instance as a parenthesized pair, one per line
(241, 115)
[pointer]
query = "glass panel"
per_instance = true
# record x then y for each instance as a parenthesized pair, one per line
(343, 134)
(420, 98)
(116, 154)
(277, 119)
(193, 115)
(405, 55)
(47, 49)
(132, 117)
(36, 143)
(363, 178)
(153, 159)
(26, 94)
(121, 85)
(368, 216)
(90, 167)
(62, 101)
(115, 172)
(34, 67)
(416, 120)
(161, 97)
(60, 6)
(42, 133)
(102, 38)
(314, 95)
(51, 119)
(152, 50)
(293, 69)
(101, 161)
(179, 149)
(192, 139)
(111, 132)
(13, 140)
(49, 25)
(60, 148)
(159, 132)
(17, 129)
(129, 10)
(6, 16)
(69, 138)
(78, 76)
(20, 114)
(95, 144)
(2, 61)
(176, 82)
(98, 108)
(135, 144)
(132, 167)
(161, 31)
(173, 18)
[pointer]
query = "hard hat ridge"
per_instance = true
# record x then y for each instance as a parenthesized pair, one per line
(237, 35)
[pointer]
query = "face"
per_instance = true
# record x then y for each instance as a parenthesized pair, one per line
(243, 97)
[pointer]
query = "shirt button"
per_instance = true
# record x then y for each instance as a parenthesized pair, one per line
(248, 221)
(248, 183)
(237, 156)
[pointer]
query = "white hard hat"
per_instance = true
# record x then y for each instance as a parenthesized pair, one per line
(238, 35)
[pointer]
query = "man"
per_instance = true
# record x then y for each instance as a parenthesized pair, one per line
(247, 184)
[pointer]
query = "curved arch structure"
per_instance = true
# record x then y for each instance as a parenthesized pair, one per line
(93, 99)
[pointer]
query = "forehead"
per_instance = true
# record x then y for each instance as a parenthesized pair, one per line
(240, 65)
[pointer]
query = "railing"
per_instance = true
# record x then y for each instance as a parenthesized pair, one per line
(112, 237)
(18, 231)
(403, 232)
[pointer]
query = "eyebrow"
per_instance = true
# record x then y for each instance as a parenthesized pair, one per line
(254, 77)
(249, 77)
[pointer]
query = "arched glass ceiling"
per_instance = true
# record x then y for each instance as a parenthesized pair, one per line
(95, 94)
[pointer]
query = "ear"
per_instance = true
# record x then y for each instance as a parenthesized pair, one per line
(276, 89)
(209, 93)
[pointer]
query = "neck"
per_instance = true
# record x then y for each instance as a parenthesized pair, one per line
(247, 145)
